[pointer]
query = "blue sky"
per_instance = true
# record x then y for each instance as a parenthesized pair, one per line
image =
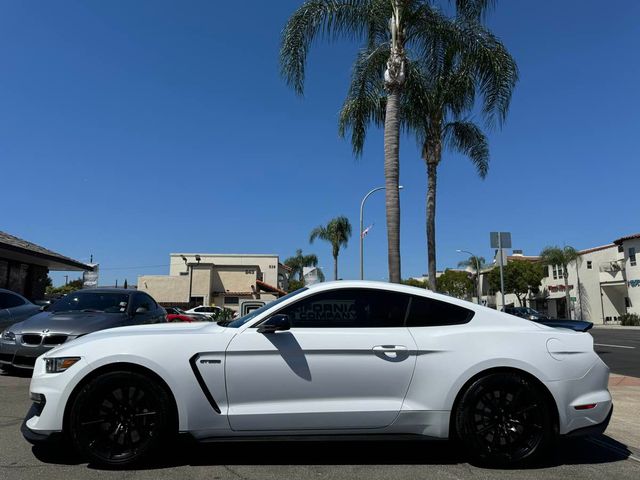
(132, 129)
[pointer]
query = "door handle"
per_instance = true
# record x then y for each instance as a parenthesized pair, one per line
(390, 351)
(389, 348)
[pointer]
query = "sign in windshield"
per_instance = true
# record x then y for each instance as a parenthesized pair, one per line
(92, 302)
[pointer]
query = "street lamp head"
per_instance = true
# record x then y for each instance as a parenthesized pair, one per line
(458, 250)
(198, 258)
(184, 259)
(400, 187)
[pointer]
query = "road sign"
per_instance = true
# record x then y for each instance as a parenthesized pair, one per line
(500, 239)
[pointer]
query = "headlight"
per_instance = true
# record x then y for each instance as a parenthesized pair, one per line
(9, 336)
(60, 364)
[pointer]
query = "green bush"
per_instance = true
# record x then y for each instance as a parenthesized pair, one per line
(223, 314)
(630, 320)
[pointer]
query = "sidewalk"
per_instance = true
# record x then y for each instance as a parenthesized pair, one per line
(625, 423)
(614, 327)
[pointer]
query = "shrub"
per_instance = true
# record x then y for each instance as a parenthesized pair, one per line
(630, 320)
(223, 314)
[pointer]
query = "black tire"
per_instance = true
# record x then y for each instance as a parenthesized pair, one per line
(504, 419)
(119, 418)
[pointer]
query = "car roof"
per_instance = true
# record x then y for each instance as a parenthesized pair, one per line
(106, 290)
(4, 290)
(391, 287)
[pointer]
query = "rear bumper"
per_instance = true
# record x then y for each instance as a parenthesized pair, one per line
(590, 389)
(592, 430)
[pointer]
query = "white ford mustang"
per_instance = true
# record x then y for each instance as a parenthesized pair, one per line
(335, 359)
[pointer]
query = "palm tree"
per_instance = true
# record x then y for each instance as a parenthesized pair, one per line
(337, 232)
(561, 257)
(388, 28)
(441, 86)
(473, 262)
(298, 262)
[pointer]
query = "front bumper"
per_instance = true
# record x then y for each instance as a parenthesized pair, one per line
(21, 356)
(32, 436)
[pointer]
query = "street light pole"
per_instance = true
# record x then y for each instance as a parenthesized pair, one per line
(400, 187)
(477, 271)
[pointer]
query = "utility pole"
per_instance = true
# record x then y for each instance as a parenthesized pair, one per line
(400, 187)
(500, 240)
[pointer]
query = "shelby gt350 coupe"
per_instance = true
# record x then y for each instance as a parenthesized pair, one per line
(334, 359)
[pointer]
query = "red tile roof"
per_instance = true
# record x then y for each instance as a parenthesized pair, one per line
(269, 288)
(628, 237)
(595, 249)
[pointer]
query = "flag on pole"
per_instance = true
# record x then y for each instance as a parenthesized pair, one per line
(366, 230)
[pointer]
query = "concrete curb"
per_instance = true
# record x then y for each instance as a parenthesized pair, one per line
(623, 381)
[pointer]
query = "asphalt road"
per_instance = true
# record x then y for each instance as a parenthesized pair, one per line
(619, 349)
(597, 458)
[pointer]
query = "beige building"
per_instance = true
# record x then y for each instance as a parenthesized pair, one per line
(217, 279)
(603, 284)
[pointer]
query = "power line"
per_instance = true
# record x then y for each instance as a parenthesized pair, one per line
(132, 267)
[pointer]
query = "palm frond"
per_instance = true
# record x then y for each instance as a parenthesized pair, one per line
(473, 9)
(495, 70)
(467, 138)
(330, 18)
(366, 100)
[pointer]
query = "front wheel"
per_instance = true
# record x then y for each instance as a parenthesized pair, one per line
(119, 417)
(504, 419)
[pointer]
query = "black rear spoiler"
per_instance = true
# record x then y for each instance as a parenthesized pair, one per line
(577, 325)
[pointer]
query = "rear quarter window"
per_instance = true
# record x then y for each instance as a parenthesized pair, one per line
(428, 312)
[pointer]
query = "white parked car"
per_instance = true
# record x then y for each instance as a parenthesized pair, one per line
(334, 359)
(203, 310)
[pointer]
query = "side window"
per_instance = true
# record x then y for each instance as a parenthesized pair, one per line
(201, 309)
(428, 312)
(143, 300)
(8, 300)
(152, 303)
(349, 308)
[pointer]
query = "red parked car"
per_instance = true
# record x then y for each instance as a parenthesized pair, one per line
(177, 315)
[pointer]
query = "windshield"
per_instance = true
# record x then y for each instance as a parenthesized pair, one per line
(92, 302)
(238, 322)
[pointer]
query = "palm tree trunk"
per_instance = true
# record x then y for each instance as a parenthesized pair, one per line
(567, 295)
(335, 267)
(391, 176)
(431, 222)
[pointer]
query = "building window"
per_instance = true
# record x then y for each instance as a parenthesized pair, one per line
(557, 272)
(632, 256)
(589, 264)
(620, 249)
(231, 300)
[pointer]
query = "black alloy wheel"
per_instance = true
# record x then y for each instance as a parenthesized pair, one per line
(504, 419)
(119, 417)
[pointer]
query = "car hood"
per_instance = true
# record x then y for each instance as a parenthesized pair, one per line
(164, 329)
(69, 323)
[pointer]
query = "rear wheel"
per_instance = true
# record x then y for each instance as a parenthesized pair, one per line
(504, 418)
(119, 418)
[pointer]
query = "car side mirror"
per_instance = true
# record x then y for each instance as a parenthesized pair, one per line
(140, 310)
(274, 324)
